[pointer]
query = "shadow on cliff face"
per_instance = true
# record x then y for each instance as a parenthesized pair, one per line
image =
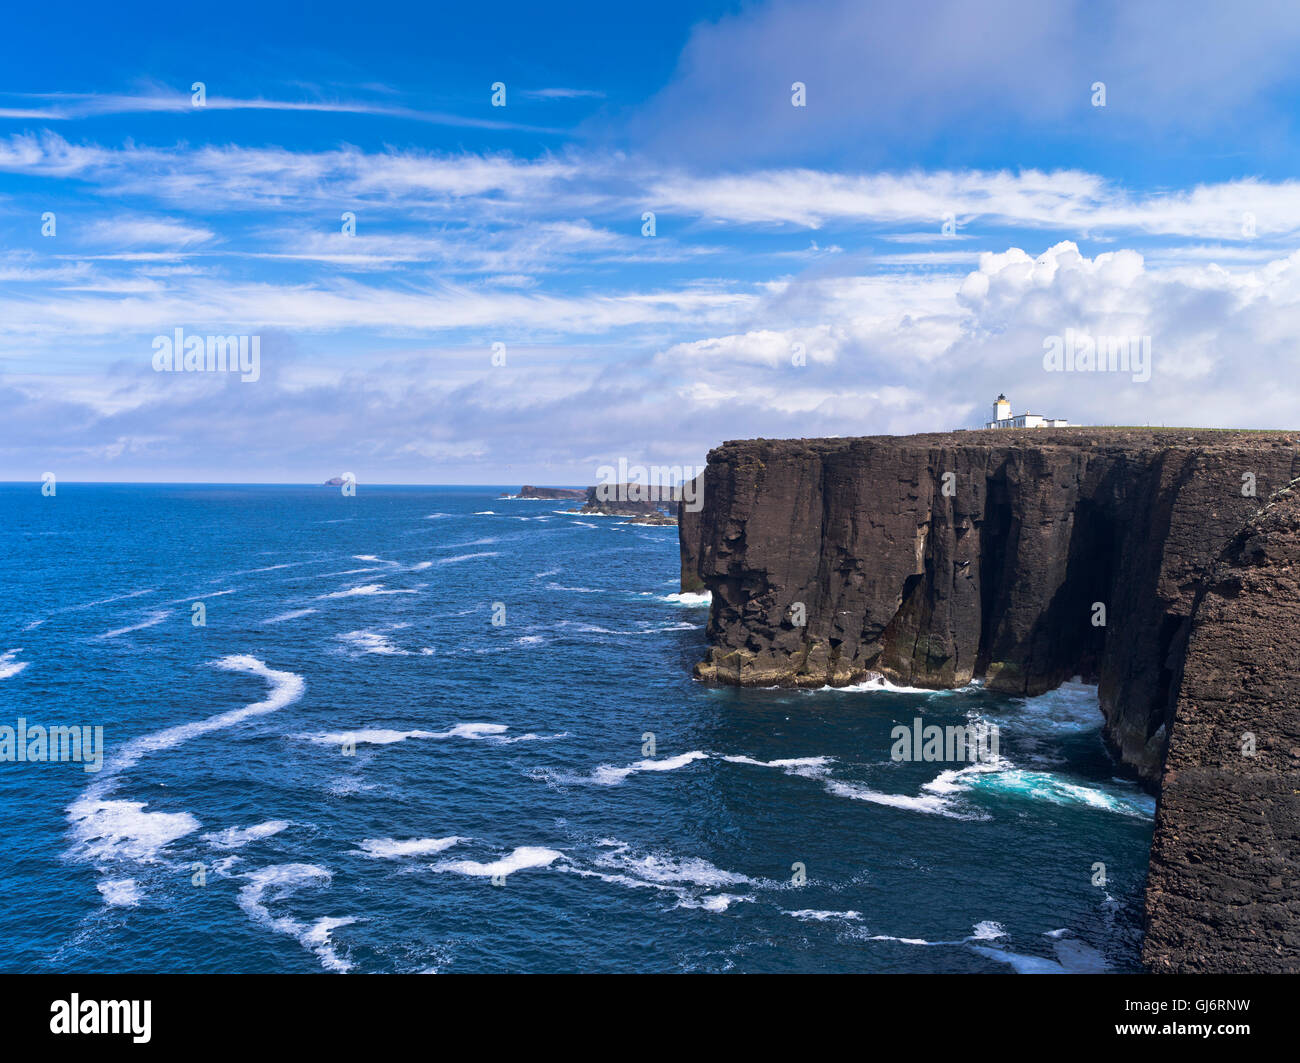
(1068, 638)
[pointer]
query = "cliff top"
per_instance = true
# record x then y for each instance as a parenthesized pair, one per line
(1127, 438)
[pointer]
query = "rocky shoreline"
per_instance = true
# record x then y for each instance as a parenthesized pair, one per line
(1028, 557)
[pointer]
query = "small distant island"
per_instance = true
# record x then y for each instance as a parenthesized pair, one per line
(529, 492)
(641, 504)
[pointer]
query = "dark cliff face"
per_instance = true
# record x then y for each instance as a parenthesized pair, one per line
(689, 528)
(1221, 892)
(934, 559)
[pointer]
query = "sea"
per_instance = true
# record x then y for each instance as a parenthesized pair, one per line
(438, 730)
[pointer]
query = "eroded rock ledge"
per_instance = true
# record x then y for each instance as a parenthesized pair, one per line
(933, 559)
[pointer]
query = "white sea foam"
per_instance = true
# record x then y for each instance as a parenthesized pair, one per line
(348, 572)
(608, 775)
(486, 541)
(596, 629)
(392, 849)
(937, 802)
(286, 688)
(530, 737)
(104, 601)
(793, 765)
(238, 837)
(371, 642)
(152, 619)
(474, 730)
(293, 614)
(200, 597)
(821, 917)
(9, 666)
(347, 785)
(374, 736)
(986, 930)
(525, 856)
(120, 892)
(1072, 957)
(1045, 786)
(612, 775)
(364, 591)
(689, 599)
(688, 880)
(271, 884)
(1071, 708)
(714, 902)
(105, 829)
(122, 830)
(385, 737)
(932, 804)
(879, 684)
(468, 557)
(267, 568)
(667, 870)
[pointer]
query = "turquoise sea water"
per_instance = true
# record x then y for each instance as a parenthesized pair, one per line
(503, 809)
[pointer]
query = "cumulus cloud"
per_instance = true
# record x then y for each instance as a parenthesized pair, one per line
(883, 355)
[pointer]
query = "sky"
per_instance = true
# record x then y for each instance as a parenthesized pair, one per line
(513, 243)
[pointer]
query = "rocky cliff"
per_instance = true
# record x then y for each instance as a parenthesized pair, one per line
(1027, 557)
(1222, 892)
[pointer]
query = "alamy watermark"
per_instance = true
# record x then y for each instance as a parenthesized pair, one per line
(37, 745)
(651, 483)
(77, 1016)
(975, 743)
(1080, 352)
(179, 353)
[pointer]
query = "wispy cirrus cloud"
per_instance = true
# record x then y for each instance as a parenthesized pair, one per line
(69, 106)
(562, 94)
(510, 190)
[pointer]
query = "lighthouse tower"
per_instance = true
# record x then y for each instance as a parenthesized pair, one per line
(1001, 409)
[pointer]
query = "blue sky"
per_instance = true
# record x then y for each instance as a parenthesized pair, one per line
(948, 199)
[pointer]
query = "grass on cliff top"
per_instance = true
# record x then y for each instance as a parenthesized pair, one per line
(1187, 428)
(1146, 428)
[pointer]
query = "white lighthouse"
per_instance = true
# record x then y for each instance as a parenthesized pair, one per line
(1003, 418)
